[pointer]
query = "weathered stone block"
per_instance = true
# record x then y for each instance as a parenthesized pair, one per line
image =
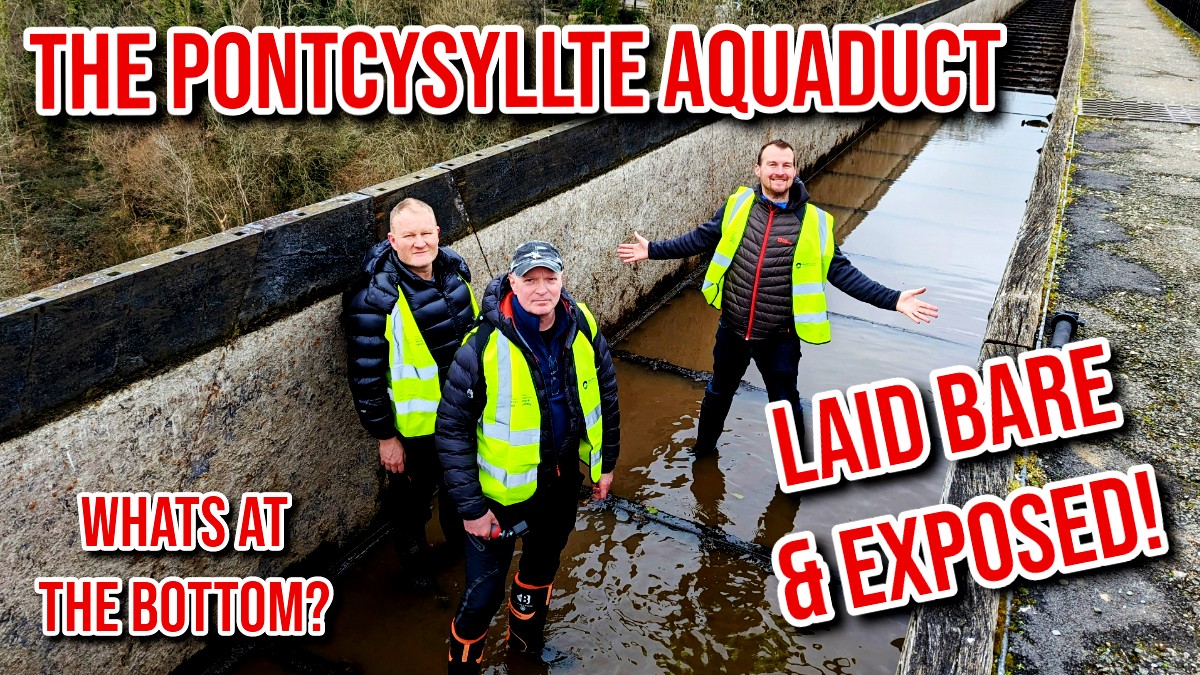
(16, 342)
(306, 254)
(434, 186)
(181, 299)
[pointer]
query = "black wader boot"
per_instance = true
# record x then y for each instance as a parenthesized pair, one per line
(416, 562)
(713, 411)
(465, 655)
(527, 610)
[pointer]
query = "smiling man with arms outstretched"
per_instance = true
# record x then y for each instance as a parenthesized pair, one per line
(772, 254)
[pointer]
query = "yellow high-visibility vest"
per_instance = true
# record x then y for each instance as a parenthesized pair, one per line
(413, 384)
(510, 429)
(810, 265)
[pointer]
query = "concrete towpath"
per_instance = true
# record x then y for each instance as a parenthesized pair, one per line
(1131, 268)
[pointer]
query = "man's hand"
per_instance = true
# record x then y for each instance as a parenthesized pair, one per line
(600, 489)
(391, 455)
(482, 526)
(914, 308)
(631, 253)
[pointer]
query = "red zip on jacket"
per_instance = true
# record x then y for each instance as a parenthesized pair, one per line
(762, 252)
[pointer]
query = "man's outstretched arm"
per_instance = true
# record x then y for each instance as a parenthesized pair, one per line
(703, 239)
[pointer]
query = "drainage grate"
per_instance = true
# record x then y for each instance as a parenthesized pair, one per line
(1140, 110)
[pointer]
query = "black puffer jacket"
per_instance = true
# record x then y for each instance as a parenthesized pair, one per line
(738, 291)
(465, 392)
(758, 285)
(441, 307)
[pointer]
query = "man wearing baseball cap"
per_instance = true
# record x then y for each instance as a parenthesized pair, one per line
(530, 400)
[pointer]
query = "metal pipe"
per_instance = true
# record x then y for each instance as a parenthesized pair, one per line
(1062, 328)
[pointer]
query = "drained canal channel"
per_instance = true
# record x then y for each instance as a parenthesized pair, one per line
(674, 574)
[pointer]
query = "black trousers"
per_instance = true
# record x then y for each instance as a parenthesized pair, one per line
(777, 358)
(408, 498)
(550, 515)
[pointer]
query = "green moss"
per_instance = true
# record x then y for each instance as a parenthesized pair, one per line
(1016, 626)
(1058, 248)
(1035, 475)
(998, 639)
(1086, 124)
(1087, 75)
(1189, 37)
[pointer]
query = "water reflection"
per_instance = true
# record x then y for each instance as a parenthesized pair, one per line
(708, 490)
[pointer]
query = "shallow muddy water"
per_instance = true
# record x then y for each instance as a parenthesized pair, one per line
(923, 201)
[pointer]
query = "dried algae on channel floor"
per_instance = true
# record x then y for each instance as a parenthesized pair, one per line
(919, 201)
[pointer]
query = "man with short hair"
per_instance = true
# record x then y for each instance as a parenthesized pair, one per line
(532, 394)
(772, 254)
(405, 315)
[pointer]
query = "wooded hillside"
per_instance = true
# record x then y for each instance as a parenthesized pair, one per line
(79, 195)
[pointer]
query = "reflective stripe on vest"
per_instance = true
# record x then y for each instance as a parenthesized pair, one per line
(510, 430)
(810, 264)
(810, 269)
(588, 384)
(413, 385)
(733, 226)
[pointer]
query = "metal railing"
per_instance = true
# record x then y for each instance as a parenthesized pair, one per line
(1187, 11)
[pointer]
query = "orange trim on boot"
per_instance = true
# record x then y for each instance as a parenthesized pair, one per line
(549, 587)
(540, 607)
(517, 580)
(466, 644)
(523, 617)
(522, 584)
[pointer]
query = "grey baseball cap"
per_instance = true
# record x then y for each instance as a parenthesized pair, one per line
(533, 254)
